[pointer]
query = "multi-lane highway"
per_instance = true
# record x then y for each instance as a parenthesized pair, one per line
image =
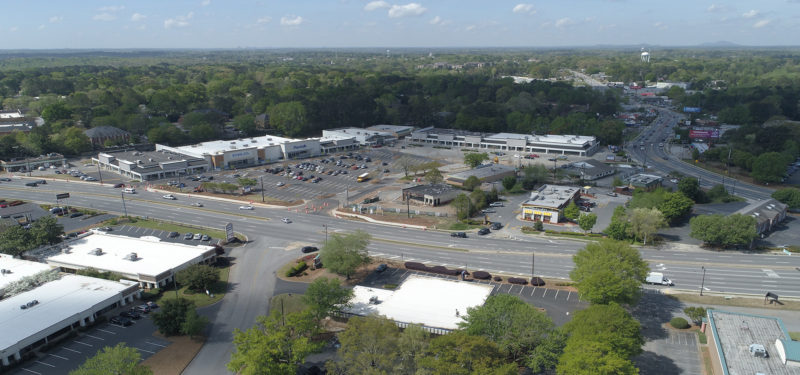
(252, 277)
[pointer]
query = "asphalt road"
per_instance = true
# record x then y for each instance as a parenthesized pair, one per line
(273, 243)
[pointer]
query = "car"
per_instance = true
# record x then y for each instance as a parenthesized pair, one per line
(6, 179)
(286, 220)
(132, 314)
(57, 172)
(496, 204)
(674, 180)
(197, 236)
(381, 267)
(120, 320)
(188, 236)
(279, 184)
(142, 309)
(660, 145)
(458, 234)
(117, 186)
(611, 193)
(484, 231)
(309, 249)
(31, 184)
(205, 238)
(173, 234)
(497, 226)
(249, 208)
(152, 305)
(89, 178)
(384, 164)
(488, 211)
(76, 214)
(169, 196)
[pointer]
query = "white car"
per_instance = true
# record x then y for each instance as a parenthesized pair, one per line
(286, 220)
(169, 196)
(280, 184)
(674, 180)
(496, 204)
(197, 204)
(245, 207)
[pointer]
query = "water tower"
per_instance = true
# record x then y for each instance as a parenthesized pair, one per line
(645, 56)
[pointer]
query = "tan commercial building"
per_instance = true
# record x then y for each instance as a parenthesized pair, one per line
(548, 202)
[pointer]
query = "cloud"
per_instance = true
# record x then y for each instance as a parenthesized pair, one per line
(41, 27)
(750, 14)
(179, 21)
(104, 17)
(56, 19)
(564, 22)
(264, 19)
(13, 29)
(714, 8)
(112, 8)
(374, 5)
(524, 8)
(136, 17)
(291, 20)
(471, 27)
(205, 3)
(408, 10)
(435, 20)
(761, 23)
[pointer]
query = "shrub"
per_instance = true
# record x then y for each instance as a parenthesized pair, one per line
(297, 268)
(538, 225)
(537, 281)
(498, 278)
(517, 280)
(679, 323)
(481, 275)
(702, 337)
(389, 286)
(416, 266)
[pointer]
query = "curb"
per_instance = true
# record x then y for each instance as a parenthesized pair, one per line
(336, 213)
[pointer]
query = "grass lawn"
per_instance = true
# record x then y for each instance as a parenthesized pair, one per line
(170, 227)
(795, 336)
(460, 225)
(707, 367)
(290, 302)
(199, 299)
(735, 301)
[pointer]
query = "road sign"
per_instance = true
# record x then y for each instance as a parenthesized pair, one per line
(62, 196)
(229, 232)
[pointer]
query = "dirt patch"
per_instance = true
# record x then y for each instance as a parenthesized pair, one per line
(173, 359)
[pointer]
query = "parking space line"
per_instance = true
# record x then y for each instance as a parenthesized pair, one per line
(533, 291)
(152, 343)
(545, 293)
(556, 296)
(82, 343)
(72, 350)
(42, 363)
(569, 294)
(102, 330)
(521, 289)
(58, 356)
(95, 337)
(144, 350)
(31, 371)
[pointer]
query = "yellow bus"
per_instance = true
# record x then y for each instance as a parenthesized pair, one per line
(362, 177)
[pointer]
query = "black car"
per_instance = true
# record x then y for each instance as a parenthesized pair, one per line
(496, 226)
(381, 267)
(458, 234)
(484, 231)
(121, 320)
(76, 214)
(309, 249)
(132, 314)
(33, 184)
(173, 234)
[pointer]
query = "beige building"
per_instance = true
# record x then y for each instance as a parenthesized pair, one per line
(548, 202)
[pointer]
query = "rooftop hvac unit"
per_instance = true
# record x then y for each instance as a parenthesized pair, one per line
(65, 250)
(132, 257)
(4, 271)
(150, 159)
(756, 213)
(97, 251)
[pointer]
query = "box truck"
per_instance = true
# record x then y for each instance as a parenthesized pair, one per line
(658, 278)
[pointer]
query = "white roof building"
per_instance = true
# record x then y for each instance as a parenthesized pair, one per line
(436, 304)
(13, 270)
(243, 152)
(32, 318)
(147, 259)
(547, 203)
(365, 137)
(548, 143)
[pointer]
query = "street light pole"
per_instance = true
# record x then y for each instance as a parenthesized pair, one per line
(262, 188)
(122, 194)
(533, 263)
(703, 283)
(326, 233)
(99, 174)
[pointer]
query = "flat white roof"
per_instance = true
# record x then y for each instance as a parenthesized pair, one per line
(19, 268)
(59, 300)
(429, 301)
(213, 147)
(153, 256)
(551, 196)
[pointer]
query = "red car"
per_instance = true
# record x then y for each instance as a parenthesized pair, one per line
(119, 185)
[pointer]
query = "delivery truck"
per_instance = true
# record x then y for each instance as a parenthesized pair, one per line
(658, 278)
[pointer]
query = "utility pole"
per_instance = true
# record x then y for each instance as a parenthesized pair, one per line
(326, 233)
(99, 174)
(555, 161)
(122, 194)
(408, 206)
(262, 188)
(533, 263)
(703, 283)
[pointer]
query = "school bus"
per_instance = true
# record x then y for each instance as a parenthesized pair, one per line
(362, 177)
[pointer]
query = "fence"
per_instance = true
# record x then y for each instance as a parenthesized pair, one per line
(433, 330)
(359, 208)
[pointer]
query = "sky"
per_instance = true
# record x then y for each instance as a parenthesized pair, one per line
(39, 24)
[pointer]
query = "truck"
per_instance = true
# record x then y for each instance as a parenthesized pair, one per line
(658, 278)
(362, 177)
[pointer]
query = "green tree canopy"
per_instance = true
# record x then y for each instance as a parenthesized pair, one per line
(572, 211)
(644, 222)
(718, 230)
(344, 253)
(675, 206)
(509, 182)
(789, 196)
(119, 359)
(434, 176)
(459, 353)
(609, 271)
(690, 187)
(769, 167)
(587, 221)
(471, 183)
(171, 315)
(46, 231)
(607, 324)
(461, 203)
(593, 358)
(368, 346)
(198, 277)
(534, 175)
(474, 159)
(323, 294)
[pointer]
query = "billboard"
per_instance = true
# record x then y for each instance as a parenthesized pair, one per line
(691, 109)
(713, 133)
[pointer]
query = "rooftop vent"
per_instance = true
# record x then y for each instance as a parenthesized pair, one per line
(131, 257)
(150, 159)
(4, 271)
(65, 250)
(756, 213)
(97, 251)
(29, 304)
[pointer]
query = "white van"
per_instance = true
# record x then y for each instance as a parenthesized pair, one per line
(129, 190)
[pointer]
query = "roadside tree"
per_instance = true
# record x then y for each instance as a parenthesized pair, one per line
(675, 206)
(345, 253)
(609, 271)
(171, 315)
(246, 182)
(509, 182)
(474, 159)
(572, 211)
(323, 294)
(690, 187)
(769, 167)
(461, 203)
(718, 230)
(587, 221)
(644, 222)
(193, 323)
(471, 183)
(198, 277)
(789, 196)
(119, 359)
(695, 313)
(434, 176)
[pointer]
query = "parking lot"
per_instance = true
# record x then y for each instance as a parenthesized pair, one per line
(71, 353)
(559, 304)
(132, 231)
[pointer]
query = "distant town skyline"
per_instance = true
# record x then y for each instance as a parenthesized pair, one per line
(381, 23)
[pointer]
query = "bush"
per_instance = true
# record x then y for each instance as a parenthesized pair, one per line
(298, 268)
(498, 278)
(481, 275)
(517, 280)
(416, 266)
(537, 281)
(679, 323)
(389, 286)
(702, 337)
(538, 225)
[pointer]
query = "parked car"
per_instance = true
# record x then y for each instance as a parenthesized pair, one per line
(152, 305)
(76, 214)
(169, 196)
(484, 231)
(381, 267)
(497, 226)
(280, 184)
(488, 211)
(132, 314)
(187, 236)
(496, 204)
(143, 309)
(117, 186)
(173, 234)
(197, 236)
(309, 249)
(286, 220)
(458, 234)
(120, 320)
(205, 238)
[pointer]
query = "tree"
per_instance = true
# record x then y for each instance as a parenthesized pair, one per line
(675, 206)
(15, 240)
(609, 271)
(478, 198)
(471, 183)
(509, 182)
(246, 182)
(458, 353)
(789, 196)
(198, 277)
(474, 159)
(695, 313)
(171, 316)
(246, 123)
(617, 181)
(46, 231)
(593, 358)
(718, 230)
(461, 203)
(55, 112)
(193, 323)
(434, 176)
(572, 211)
(643, 222)
(545, 356)
(534, 175)
(72, 141)
(618, 228)
(607, 324)
(289, 118)
(344, 253)
(119, 359)
(275, 345)
(514, 325)
(587, 221)
(769, 167)
(412, 344)
(368, 346)
(405, 163)
(324, 294)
